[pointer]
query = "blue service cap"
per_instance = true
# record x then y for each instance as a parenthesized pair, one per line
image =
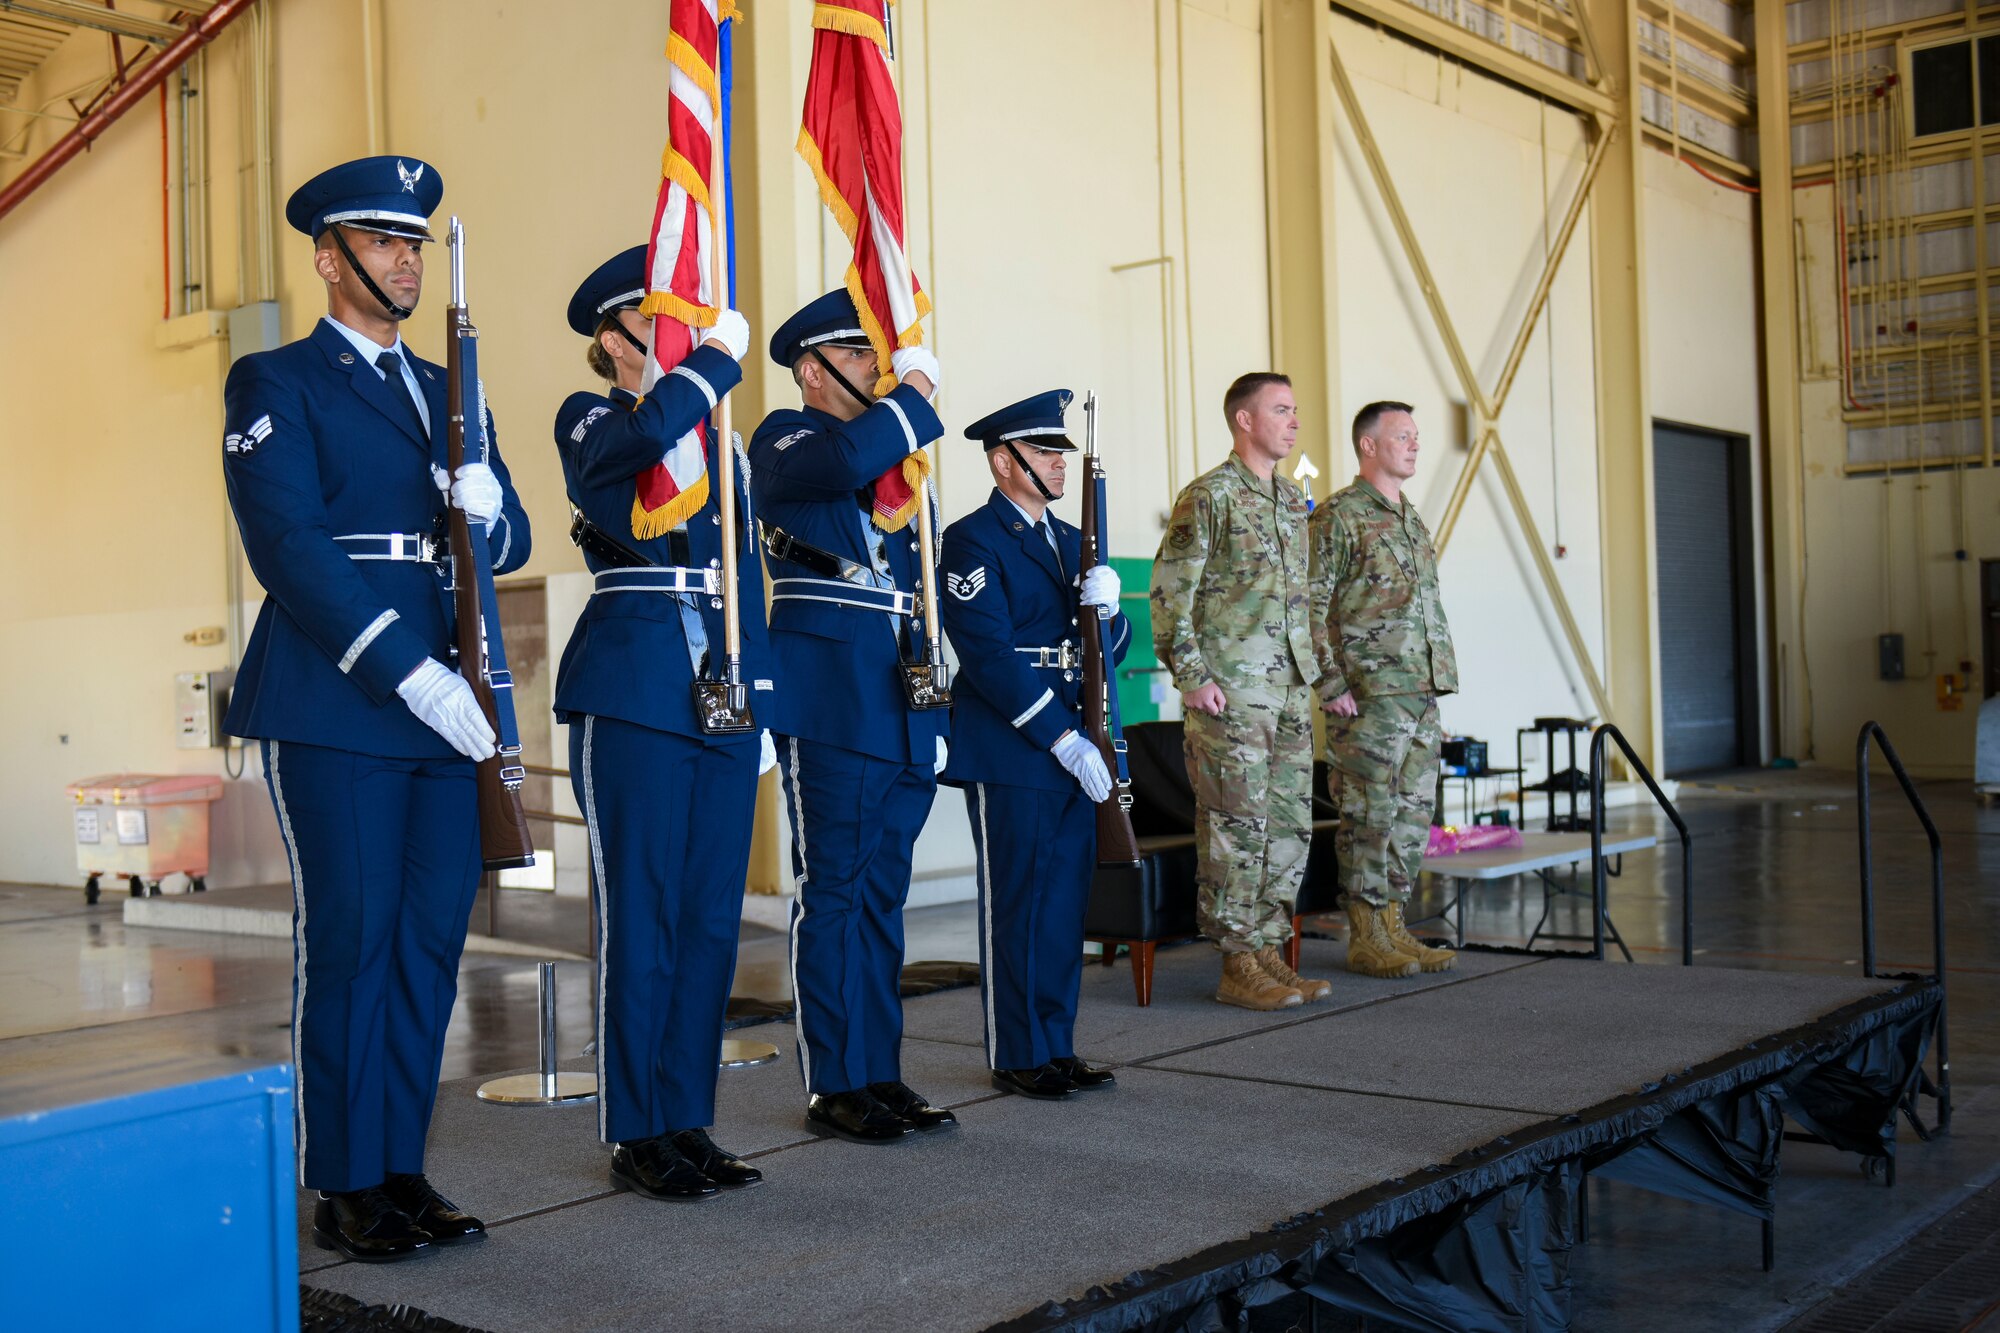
(828, 321)
(392, 195)
(618, 282)
(1037, 421)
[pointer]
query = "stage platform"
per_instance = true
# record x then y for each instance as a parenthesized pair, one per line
(1346, 1148)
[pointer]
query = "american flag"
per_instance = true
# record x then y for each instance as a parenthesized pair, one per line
(852, 138)
(680, 299)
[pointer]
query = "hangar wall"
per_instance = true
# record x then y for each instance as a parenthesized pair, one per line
(1038, 170)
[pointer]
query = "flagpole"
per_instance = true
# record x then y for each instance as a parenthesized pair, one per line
(933, 635)
(725, 445)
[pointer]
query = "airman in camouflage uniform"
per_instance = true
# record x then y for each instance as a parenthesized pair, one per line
(1384, 656)
(1232, 621)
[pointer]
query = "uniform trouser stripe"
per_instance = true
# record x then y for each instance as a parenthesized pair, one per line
(1035, 856)
(985, 919)
(587, 770)
(797, 804)
(670, 821)
(385, 862)
(277, 784)
(852, 842)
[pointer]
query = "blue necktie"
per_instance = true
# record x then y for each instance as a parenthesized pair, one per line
(391, 366)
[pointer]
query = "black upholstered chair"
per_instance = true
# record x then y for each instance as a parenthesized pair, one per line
(1144, 905)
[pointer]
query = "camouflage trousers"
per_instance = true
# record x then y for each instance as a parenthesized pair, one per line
(1385, 774)
(1251, 770)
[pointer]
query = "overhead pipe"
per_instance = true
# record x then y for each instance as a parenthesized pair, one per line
(196, 36)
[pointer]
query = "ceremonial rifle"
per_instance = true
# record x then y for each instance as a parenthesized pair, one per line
(482, 657)
(1116, 843)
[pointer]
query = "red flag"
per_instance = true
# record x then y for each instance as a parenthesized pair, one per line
(852, 138)
(679, 297)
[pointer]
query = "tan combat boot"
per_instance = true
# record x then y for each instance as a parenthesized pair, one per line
(1370, 951)
(1272, 959)
(1248, 986)
(1428, 959)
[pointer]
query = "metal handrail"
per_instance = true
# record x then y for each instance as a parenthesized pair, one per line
(1942, 1089)
(1600, 890)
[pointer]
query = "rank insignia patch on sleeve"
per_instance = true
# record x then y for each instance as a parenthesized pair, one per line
(247, 441)
(791, 440)
(965, 587)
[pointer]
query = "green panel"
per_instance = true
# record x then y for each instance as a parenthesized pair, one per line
(1139, 677)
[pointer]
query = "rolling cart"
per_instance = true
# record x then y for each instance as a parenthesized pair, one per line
(142, 827)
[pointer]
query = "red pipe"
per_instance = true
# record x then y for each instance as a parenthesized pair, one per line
(195, 37)
(166, 246)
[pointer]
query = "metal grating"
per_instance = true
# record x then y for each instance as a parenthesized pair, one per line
(1945, 1279)
(25, 42)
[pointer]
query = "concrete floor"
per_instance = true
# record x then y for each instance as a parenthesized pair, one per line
(81, 994)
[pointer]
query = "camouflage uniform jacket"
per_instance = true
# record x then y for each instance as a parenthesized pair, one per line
(1230, 590)
(1378, 621)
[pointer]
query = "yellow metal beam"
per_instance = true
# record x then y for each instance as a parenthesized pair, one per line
(1298, 212)
(1486, 408)
(1558, 247)
(1413, 249)
(1624, 419)
(1495, 59)
(1783, 441)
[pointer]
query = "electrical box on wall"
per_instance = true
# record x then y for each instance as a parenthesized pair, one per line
(200, 700)
(253, 328)
(1889, 651)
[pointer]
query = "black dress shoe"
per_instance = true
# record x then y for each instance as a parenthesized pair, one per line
(365, 1225)
(656, 1169)
(910, 1104)
(1086, 1077)
(855, 1116)
(1043, 1083)
(727, 1170)
(431, 1211)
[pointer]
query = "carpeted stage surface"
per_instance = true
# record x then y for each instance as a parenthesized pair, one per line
(1223, 1124)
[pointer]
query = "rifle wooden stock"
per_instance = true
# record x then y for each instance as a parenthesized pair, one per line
(1116, 842)
(504, 841)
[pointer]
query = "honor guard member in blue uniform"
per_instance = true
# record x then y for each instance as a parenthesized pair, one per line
(334, 459)
(669, 806)
(1016, 606)
(859, 764)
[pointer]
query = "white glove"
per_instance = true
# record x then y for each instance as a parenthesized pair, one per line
(919, 360)
(443, 702)
(731, 332)
(767, 753)
(1079, 755)
(1100, 589)
(937, 766)
(477, 491)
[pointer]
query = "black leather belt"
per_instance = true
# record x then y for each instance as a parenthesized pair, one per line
(782, 545)
(595, 541)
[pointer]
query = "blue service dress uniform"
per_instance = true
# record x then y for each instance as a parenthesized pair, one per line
(669, 807)
(858, 764)
(329, 470)
(1011, 610)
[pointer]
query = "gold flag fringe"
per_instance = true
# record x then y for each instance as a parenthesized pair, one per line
(650, 523)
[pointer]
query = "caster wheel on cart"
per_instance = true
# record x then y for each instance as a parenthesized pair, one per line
(153, 889)
(138, 886)
(199, 884)
(90, 891)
